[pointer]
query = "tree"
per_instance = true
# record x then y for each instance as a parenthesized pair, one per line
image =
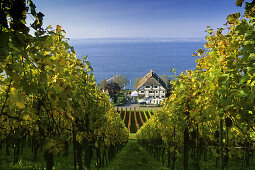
(222, 87)
(113, 90)
(103, 84)
(48, 96)
(121, 80)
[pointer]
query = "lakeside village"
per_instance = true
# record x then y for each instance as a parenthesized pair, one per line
(150, 90)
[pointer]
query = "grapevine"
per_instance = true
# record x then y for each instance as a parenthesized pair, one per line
(48, 95)
(211, 108)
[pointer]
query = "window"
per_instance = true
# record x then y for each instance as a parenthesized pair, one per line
(156, 91)
(147, 86)
(150, 91)
(142, 91)
(162, 96)
(163, 91)
(155, 86)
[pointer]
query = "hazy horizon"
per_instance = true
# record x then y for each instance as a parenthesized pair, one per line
(138, 39)
(136, 18)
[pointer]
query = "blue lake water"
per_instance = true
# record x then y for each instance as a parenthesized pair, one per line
(136, 58)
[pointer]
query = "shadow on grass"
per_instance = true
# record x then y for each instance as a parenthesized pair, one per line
(133, 156)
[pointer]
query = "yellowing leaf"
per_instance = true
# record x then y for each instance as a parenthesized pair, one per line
(59, 27)
(20, 105)
(62, 61)
(13, 91)
(26, 117)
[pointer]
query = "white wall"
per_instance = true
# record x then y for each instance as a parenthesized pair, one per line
(158, 94)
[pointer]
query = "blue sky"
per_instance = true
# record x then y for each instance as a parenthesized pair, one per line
(136, 18)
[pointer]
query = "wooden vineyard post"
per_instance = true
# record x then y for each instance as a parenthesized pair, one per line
(129, 121)
(136, 123)
(141, 118)
(125, 113)
(120, 111)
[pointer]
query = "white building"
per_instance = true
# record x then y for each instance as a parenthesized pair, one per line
(152, 87)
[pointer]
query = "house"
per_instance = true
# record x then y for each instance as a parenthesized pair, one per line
(111, 80)
(152, 88)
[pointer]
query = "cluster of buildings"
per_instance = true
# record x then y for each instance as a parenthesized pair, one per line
(151, 89)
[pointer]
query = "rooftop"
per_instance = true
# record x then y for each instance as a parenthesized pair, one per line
(151, 78)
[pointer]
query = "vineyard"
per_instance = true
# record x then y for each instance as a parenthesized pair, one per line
(209, 119)
(49, 99)
(51, 107)
(135, 119)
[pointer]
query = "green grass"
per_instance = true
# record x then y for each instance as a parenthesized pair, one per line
(132, 136)
(133, 156)
(26, 161)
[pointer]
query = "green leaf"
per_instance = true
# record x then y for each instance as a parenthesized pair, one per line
(229, 106)
(25, 86)
(253, 83)
(250, 69)
(242, 27)
(242, 92)
(244, 79)
(223, 79)
(239, 2)
(172, 70)
(233, 18)
(252, 56)
(250, 112)
(210, 31)
(251, 97)
(32, 7)
(49, 27)
(26, 117)
(3, 54)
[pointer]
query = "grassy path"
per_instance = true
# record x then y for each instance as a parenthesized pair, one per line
(133, 156)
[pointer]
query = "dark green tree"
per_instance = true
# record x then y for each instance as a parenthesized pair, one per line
(121, 80)
(103, 84)
(113, 90)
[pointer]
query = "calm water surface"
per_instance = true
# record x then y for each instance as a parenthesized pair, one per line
(135, 58)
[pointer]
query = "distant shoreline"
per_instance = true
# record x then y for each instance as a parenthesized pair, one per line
(145, 39)
(134, 57)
